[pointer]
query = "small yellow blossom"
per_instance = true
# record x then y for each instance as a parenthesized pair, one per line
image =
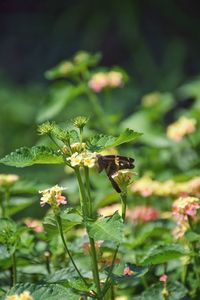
(183, 126)
(52, 196)
(8, 179)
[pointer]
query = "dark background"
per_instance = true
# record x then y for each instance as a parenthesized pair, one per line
(151, 39)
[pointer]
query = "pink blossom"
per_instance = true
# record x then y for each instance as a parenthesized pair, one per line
(163, 278)
(142, 213)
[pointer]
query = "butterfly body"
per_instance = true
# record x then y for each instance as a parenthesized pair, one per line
(113, 163)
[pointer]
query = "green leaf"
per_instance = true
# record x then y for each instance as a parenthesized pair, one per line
(163, 253)
(69, 220)
(68, 276)
(25, 156)
(9, 235)
(176, 290)
(101, 142)
(108, 228)
(192, 236)
(44, 291)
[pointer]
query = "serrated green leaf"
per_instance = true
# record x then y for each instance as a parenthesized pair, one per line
(108, 228)
(44, 291)
(25, 157)
(162, 253)
(101, 142)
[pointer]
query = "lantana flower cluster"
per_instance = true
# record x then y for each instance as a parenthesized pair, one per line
(53, 196)
(182, 209)
(23, 296)
(183, 126)
(123, 178)
(103, 80)
(147, 187)
(83, 159)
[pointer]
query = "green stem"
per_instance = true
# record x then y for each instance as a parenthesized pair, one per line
(123, 201)
(107, 283)
(87, 181)
(85, 207)
(83, 198)
(95, 267)
(14, 269)
(59, 223)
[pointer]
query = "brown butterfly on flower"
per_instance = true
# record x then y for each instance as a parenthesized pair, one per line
(113, 163)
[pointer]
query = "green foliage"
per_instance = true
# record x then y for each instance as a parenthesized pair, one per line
(163, 253)
(176, 290)
(108, 228)
(102, 142)
(69, 217)
(44, 292)
(24, 157)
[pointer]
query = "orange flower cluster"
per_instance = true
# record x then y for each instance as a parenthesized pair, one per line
(147, 187)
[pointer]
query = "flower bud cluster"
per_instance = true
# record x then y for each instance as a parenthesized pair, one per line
(102, 80)
(53, 196)
(183, 126)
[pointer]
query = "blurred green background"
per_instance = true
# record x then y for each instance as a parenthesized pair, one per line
(156, 42)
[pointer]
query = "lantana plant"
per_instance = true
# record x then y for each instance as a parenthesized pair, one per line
(82, 155)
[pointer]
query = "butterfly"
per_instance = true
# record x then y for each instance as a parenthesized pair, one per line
(113, 163)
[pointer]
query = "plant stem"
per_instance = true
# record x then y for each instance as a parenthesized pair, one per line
(59, 223)
(95, 267)
(87, 181)
(123, 201)
(86, 210)
(83, 198)
(14, 269)
(107, 284)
